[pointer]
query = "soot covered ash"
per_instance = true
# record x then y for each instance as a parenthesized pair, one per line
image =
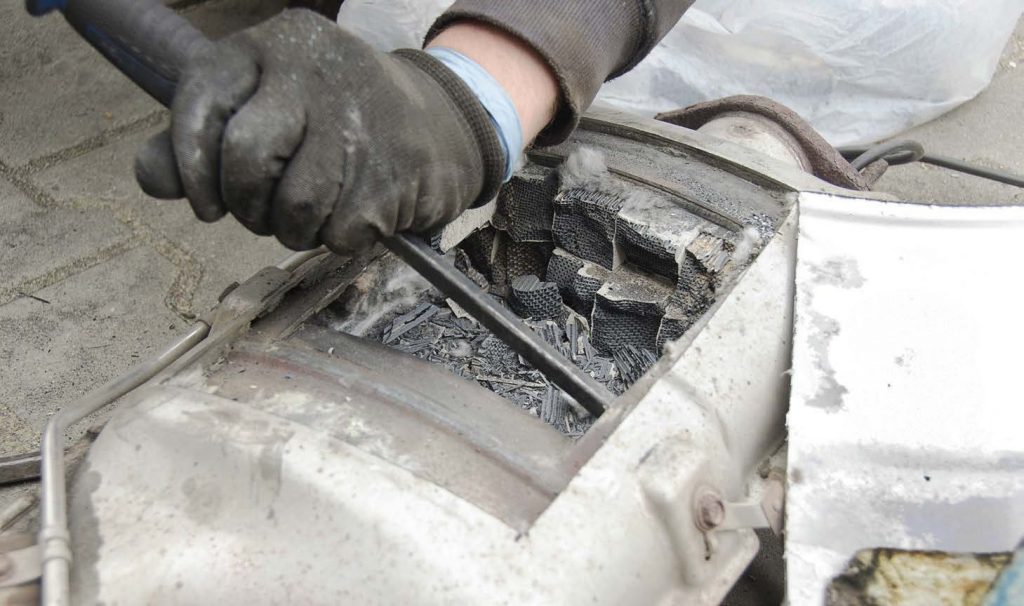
(439, 332)
(605, 270)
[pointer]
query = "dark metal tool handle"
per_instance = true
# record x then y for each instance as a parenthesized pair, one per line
(147, 41)
(151, 44)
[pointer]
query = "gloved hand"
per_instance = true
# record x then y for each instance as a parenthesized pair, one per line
(301, 130)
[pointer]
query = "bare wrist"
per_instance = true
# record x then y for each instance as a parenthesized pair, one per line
(521, 71)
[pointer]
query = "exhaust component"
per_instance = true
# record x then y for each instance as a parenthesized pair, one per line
(54, 539)
(503, 323)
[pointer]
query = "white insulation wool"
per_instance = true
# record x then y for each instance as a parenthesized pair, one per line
(749, 239)
(585, 167)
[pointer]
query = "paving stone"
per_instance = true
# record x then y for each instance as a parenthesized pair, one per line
(211, 256)
(40, 245)
(27, 523)
(18, 435)
(986, 131)
(58, 92)
(98, 324)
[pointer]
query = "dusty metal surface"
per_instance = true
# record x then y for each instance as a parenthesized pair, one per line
(772, 128)
(318, 467)
(443, 429)
(714, 160)
(20, 566)
(905, 419)
(19, 574)
(186, 482)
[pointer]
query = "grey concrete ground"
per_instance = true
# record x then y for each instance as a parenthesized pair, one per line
(94, 276)
(989, 130)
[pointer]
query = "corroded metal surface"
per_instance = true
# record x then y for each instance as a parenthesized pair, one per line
(892, 577)
(781, 125)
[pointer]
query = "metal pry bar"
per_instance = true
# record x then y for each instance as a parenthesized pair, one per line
(506, 326)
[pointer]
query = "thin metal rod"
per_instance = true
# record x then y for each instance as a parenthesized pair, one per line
(19, 468)
(54, 539)
(506, 326)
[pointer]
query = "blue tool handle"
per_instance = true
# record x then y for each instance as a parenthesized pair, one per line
(147, 41)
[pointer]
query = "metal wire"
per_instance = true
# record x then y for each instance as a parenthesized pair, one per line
(54, 539)
(907, 151)
(971, 169)
(19, 468)
(295, 260)
(903, 151)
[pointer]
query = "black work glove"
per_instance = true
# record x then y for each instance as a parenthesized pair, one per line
(300, 129)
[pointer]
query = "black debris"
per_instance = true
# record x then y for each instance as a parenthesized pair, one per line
(628, 311)
(633, 362)
(572, 336)
(627, 317)
(524, 204)
(467, 349)
(408, 321)
(587, 281)
(562, 268)
(553, 408)
(584, 224)
(531, 298)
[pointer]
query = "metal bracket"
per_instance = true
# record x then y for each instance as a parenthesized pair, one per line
(20, 566)
(713, 513)
(764, 513)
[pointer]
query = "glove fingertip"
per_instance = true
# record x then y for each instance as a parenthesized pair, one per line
(156, 170)
(157, 174)
(349, 240)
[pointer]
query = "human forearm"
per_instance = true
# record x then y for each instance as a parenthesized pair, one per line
(521, 71)
(583, 42)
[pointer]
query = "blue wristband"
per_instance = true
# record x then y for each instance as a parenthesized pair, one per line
(494, 99)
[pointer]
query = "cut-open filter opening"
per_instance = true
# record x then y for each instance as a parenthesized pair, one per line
(605, 270)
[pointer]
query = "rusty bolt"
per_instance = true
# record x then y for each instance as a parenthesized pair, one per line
(709, 509)
(6, 565)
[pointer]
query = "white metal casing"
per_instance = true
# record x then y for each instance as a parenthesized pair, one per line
(906, 419)
(191, 498)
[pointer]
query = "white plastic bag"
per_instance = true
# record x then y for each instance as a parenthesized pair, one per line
(858, 70)
(391, 24)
